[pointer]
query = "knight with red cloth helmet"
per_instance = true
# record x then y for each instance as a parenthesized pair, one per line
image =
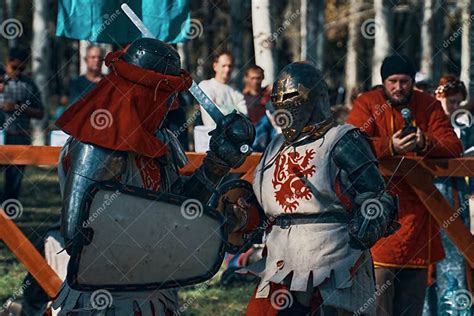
(131, 238)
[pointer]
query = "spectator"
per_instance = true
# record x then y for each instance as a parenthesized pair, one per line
(255, 96)
(217, 88)
(450, 273)
(401, 260)
(80, 85)
(20, 101)
(451, 92)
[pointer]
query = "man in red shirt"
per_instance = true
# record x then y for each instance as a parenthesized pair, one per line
(255, 95)
(401, 260)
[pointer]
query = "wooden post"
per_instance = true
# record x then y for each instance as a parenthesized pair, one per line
(24, 250)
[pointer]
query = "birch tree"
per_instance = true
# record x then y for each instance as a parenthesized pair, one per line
(312, 31)
(427, 39)
(353, 39)
(40, 63)
(431, 39)
(10, 11)
(466, 42)
(236, 36)
(263, 39)
(383, 29)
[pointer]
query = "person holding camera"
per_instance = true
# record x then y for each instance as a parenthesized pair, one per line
(401, 121)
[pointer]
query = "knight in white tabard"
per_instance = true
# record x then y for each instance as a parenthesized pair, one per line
(320, 187)
(217, 88)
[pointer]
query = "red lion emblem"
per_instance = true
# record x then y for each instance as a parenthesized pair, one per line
(287, 181)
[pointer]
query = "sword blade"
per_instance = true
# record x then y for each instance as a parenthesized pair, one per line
(136, 21)
(206, 103)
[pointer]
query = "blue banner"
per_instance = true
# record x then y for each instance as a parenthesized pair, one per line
(104, 21)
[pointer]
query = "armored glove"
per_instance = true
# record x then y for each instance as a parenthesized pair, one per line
(232, 139)
(374, 218)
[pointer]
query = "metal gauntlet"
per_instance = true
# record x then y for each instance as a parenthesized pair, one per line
(375, 211)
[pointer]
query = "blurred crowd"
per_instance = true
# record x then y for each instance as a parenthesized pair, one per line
(419, 281)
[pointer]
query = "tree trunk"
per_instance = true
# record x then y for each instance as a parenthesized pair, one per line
(204, 69)
(427, 40)
(236, 36)
(438, 32)
(312, 31)
(82, 55)
(263, 40)
(352, 66)
(181, 49)
(10, 11)
(320, 9)
(382, 28)
(471, 72)
(40, 63)
(466, 43)
(306, 37)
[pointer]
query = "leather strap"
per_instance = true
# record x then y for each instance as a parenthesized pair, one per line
(285, 221)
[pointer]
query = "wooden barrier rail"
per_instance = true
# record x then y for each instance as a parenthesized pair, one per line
(417, 172)
(24, 250)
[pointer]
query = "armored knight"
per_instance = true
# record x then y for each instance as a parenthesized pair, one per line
(117, 142)
(319, 185)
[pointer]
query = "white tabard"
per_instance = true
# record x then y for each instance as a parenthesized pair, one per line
(302, 180)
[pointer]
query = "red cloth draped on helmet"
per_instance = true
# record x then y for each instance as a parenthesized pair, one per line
(125, 109)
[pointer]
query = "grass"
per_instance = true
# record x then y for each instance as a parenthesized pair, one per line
(215, 300)
(41, 202)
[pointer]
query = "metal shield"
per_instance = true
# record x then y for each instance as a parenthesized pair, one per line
(135, 239)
